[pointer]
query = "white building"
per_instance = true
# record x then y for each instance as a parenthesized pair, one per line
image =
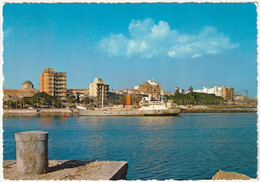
(179, 90)
(215, 90)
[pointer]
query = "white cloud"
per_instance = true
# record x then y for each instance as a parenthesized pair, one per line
(149, 40)
(196, 56)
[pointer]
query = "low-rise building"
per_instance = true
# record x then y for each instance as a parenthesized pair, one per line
(79, 94)
(131, 91)
(179, 90)
(215, 90)
(16, 94)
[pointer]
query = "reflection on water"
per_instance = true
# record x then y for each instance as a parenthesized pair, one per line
(192, 146)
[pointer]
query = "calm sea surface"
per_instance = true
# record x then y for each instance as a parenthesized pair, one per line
(192, 146)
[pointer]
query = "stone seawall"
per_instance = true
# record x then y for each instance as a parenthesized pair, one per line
(216, 109)
(38, 111)
(20, 111)
(210, 110)
(56, 110)
(71, 170)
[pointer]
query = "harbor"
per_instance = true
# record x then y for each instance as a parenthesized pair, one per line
(130, 91)
(161, 147)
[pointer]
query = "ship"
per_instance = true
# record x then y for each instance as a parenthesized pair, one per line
(148, 107)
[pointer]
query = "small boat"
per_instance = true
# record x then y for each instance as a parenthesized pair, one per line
(148, 107)
(65, 115)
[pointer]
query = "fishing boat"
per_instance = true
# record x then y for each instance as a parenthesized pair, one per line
(149, 107)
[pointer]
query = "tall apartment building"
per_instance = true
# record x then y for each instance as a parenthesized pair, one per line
(54, 83)
(228, 93)
(96, 88)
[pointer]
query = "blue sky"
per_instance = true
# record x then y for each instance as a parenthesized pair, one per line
(178, 45)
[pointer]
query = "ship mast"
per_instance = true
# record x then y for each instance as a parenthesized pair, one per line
(102, 97)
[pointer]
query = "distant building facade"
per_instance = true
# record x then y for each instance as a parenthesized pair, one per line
(15, 94)
(150, 87)
(97, 87)
(215, 90)
(228, 93)
(131, 91)
(179, 90)
(54, 83)
(79, 94)
(27, 85)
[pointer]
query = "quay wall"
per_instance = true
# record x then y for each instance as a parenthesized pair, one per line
(19, 111)
(193, 109)
(218, 110)
(38, 111)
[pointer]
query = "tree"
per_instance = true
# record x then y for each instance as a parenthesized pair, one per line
(87, 100)
(44, 100)
(71, 99)
(190, 89)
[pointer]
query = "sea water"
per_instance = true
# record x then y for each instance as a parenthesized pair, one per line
(187, 147)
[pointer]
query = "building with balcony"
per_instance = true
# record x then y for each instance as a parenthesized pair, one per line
(97, 87)
(228, 93)
(54, 83)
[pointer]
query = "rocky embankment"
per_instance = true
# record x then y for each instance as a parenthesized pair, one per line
(208, 109)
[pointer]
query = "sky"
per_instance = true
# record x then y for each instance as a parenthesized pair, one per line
(177, 45)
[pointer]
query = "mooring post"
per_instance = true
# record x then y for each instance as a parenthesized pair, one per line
(31, 152)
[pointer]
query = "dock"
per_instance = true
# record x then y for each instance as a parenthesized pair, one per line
(71, 170)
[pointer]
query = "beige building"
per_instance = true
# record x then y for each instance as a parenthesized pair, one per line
(228, 93)
(54, 83)
(16, 94)
(27, 85)
(150, 87)
(96, 88)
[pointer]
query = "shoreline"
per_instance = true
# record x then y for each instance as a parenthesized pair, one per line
(38, 111)
(194, 109)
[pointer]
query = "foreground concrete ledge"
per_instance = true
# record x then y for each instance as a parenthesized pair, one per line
(223, 175)
(71, 170)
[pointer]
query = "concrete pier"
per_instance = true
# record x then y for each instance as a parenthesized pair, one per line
(31, 152)
(32, 163)
(72, 170)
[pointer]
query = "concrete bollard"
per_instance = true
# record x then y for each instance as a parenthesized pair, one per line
(31, 152)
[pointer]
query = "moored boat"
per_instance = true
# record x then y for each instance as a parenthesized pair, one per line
(148, 108)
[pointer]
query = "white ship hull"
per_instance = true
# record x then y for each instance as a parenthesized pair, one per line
(154, 112)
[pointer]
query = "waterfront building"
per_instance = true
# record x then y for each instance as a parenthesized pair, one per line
(163, 92)
(97, 87)
(215, 90)
(78, 91)
(16, 94)
(179, 90)
(54, 83)
(150, 87)
(131, 91)
(228, 93)
(79, 94)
